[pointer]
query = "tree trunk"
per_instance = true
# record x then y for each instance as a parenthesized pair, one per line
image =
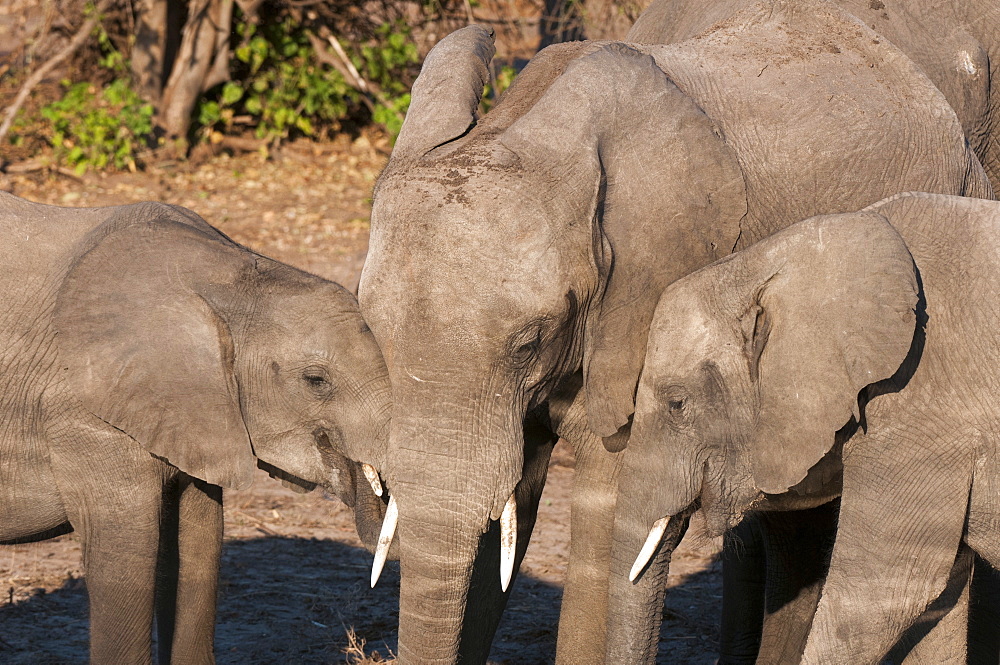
(201, 63)
(149, 51)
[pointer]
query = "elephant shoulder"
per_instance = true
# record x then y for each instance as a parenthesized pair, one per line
(671, 21)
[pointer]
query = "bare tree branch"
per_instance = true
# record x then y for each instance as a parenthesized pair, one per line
(342, 54)
(43, 31)
(334, 60)
(250, 7)
(219, 71)
(149, 52)
(39, 74)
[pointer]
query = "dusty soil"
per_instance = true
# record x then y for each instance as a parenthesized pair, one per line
(294, 581)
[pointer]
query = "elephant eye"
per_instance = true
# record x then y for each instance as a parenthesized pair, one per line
(317, 379)
(526, 351)
(674, 398)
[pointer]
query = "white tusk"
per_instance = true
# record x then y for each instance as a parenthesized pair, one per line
(508, 541)
(648, 547)
(372, 476)
(385, 539)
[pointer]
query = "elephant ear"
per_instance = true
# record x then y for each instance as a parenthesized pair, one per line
(445, 97)
(671, 197)
(832, 313)
(143, 347)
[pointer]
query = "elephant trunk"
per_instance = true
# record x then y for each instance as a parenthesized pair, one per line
(447, 478)
(635, 608)
(436, 558)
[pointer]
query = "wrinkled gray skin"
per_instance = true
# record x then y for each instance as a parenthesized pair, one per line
(957, 44)
(519, 257)
(755, 362)
(147, 363)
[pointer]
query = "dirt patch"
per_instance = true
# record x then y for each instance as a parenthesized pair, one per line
(310, 209)
(294, 578)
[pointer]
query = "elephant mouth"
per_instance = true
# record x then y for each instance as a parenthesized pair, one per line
(389, 522)
(293, 483)
(508, 531)
(669, 524)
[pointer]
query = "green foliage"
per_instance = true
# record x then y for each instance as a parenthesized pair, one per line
(279, 88)
(111, 59)
(391, 113)
(100, 127)
(383, 62)
(283, 87)
(502, 81)
(92, 128)
(285, 91)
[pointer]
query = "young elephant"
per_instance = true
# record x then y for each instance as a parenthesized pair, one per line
(146, 362)
(819, 345)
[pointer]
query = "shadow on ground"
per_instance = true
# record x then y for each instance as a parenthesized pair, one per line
(293, 600)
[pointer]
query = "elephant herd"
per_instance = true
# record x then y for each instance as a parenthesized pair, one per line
(745, 263)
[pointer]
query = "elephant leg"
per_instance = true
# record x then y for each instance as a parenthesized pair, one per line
(983, 535)
(583, 616)
(984, 614)
(117, 516)
(486, 601)
(744, 570)
(189, 565)
(167, 571)
(939, 635)
(798, 545)
(901, 524)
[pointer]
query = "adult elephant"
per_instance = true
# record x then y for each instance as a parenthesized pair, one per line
(516, 259)
(147, 362)
(957, 44)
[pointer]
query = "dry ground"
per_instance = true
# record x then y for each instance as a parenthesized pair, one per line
(294, 575)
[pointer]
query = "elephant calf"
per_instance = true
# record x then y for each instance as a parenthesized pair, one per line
(820, 339)
(146, 362)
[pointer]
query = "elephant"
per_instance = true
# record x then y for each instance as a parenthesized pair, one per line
(957, 44)
(148, 362)
(854, 351)
(516, 258)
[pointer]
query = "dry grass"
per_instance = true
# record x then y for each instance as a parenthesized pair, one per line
(355, 653)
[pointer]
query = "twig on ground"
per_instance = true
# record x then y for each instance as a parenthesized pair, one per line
(31, 165)
(258, 524)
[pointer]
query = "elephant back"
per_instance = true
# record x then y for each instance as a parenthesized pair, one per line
(802, 91)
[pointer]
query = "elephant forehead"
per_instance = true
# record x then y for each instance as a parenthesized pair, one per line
(486, 194)
(482, 313)
(455, 254)
(683, 334)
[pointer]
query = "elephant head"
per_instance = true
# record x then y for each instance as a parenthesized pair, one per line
(216, 359)
(752, 366)
(507, 253)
